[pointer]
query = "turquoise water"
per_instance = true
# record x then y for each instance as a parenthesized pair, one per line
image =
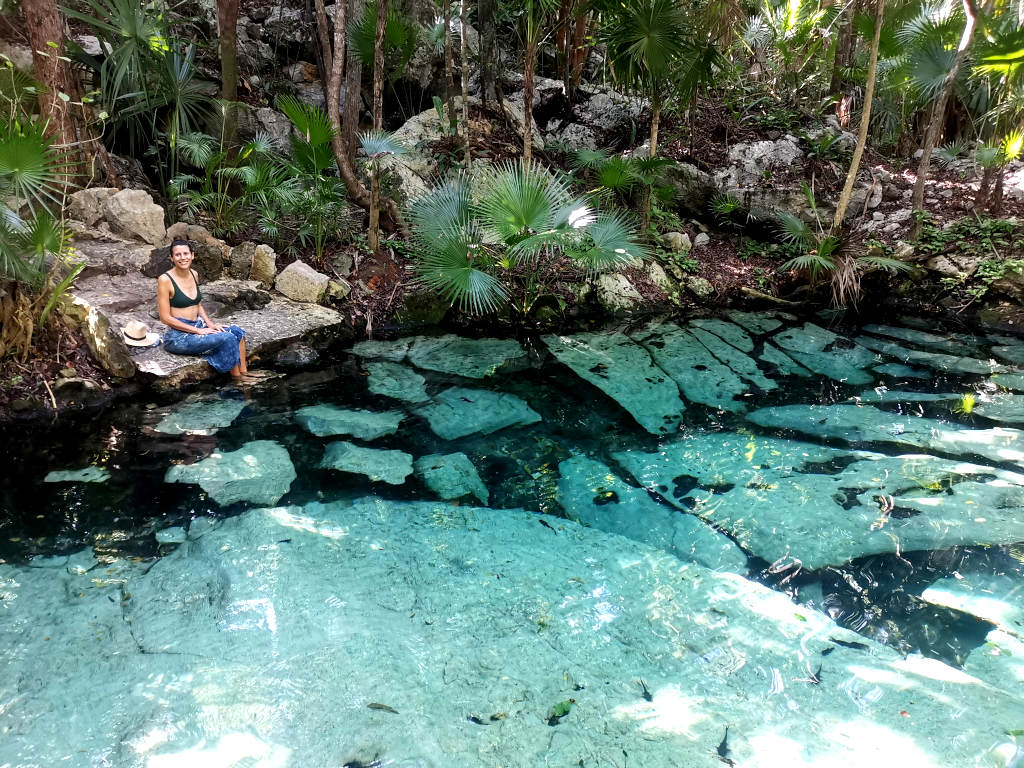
(600, 549)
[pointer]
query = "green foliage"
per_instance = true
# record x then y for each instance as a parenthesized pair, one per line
(401, 36)
(995, 245)
(31, 167)
(485, 244)
(621, 179)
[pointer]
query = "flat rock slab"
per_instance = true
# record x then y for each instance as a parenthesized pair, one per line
(260, 472)
(396, 381)
(700, 376)
(934, 360)
(458, 411)
(727, 332)
(200, 417)
(326, 420)
(901, 371)
(451, 476)
(923, 339)
(995, 598)
(472, 358)
(624, 371)
(826, 353)
(758, 323)
(865, 424)
(593, 495)
(744, 365)
(390, 466)
(1011, 353)
(330, 633)
(393, 351)
(84, 475)
(785, 364)
(776, 497)
(1000, 661)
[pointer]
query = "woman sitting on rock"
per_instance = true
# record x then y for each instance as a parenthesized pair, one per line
(189, 329)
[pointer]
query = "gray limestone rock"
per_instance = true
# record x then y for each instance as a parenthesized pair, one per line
(786, 365)
(86, 205)
(200, 417)
(84, 475)
(616, 294)
(451, 476)
(264, 266)
(901, 371)
(393, 351)
(241, 259)
(325, 420)
(624, 371)
(677, 242)
(392, 467)
(743, 365)
(757, 323)
(591, 494)
(923, 339)
(698, 286)
(727, 332)
(935, 360)
(132, 212)
(826, 353)
(457, 412)
(396, 381)
(260, 472)
(472, 358)
(300, 282)
(1011, 353)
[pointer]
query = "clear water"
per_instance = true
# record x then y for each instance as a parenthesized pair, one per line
(878, 596)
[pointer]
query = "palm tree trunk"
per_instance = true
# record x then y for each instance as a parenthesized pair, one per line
(485, 18)
(655, 121)
(449, 64)
(577, 56)
(939, 112)
(531, 56)
(373, 236)
(464, 58)
(227, 37)
(865, 121)
(353, 88)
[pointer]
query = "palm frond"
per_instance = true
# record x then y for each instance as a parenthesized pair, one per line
(31, 167)
(377, 144)
(610, 243)
(793, 229)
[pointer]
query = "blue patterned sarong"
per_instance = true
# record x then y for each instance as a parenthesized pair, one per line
(219, 349)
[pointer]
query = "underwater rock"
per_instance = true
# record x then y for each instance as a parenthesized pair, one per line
(999, 407)
(901, 371)
(775, 497)
(934, 360)
(260, 472)
(826, 353)
(393, 351)
(727, 332)
(472, 358)
(457, 412)
(995, 598)
(218, 652)
(999, 662)
(390, 466)
(698, 374)
(326, 420)
(396, 381)
(885, 395)
(923, 339)
(624, 371)
(451, 476)
(866, 424)
(84, 475)
(758, 323)
(744, 365)
(786, 365)
(200, 417)
(591, 494)
(1011, 353)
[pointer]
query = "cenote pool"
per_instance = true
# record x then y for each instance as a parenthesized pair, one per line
(742, 540)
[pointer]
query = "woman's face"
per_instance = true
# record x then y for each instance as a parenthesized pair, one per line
(181, 256)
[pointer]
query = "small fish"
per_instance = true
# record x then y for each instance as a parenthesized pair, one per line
(848, 644)
(815, 678)
(723, 749)
(284, 541)
(546, 524)
(645, 692)
(476, 720)
(382, 707)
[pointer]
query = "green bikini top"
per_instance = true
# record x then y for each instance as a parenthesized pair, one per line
(180, 299)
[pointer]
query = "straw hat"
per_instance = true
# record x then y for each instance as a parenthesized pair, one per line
(136, 334)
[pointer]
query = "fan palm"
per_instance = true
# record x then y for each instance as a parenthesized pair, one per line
(474, 238)
(378, 146)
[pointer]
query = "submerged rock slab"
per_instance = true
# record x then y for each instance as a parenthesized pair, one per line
(458, 411)
(591, 494)
(451, 476)
(744, 365)
(200, 417)
(776, 498)
(934, 360)
(396, 381)
(624, 371)
(785, 364)
(472, 358)
(256, 610)
(1011, 353)
(866, 424)
(260, 472)
(326, 420)
(730, 333)
(901, 371)
(757, 323)
(826, 353)
(1001, 407)
(923, 339)
(995, 598)
(884, 395)
(999, 661)
(84, 475)
(698, 374)
(390, 466)
(392, 351)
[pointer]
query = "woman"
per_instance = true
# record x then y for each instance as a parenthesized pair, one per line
(189, 329)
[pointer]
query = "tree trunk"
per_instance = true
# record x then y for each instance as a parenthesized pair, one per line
(865, 120)
(227, 35)
(464, 58)
(322, 30)
(844, 47)
(45, 27)
(373, 236)
(359, 194)
(655, 122)
(485, 19)
(353, 88)
(577, 56)
(995, 202)
(981, 198)
(531, 57)
(939, 111)
(449, 65)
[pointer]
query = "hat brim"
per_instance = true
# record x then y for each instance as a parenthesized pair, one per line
(150, 340)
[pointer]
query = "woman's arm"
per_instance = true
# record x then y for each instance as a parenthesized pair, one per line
(216, 327)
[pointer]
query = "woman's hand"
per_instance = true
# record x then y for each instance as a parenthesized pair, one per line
(215, 327)
(205, 331)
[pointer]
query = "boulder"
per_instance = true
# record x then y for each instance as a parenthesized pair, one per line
(86, 205)
(300, 282)
(260, 472)
(204, 416)
(677, 242)
(325, 420)
(698, 286)
(702, 239)
(302, 72)
(390, 466)
(132, 212)
(264, 266)
(240, 260)
(575, 136)
(19, 55)
(616, 294)
(208, 261)
(691, 187)
(337, 290)
(750, 160)
(104, 342)
(451, 476)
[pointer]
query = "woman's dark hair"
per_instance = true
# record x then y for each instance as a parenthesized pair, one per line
(186, 243)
